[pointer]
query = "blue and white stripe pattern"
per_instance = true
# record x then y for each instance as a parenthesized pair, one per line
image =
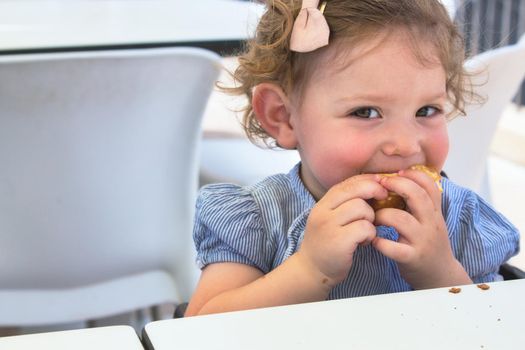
(262, 225)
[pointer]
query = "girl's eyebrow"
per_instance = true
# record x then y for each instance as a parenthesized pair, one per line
(388, 97)
(439, 95)
(364, 97)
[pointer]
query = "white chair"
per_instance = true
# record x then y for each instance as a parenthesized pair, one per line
(226, 153)
(99, 153)
(470, 137)
(236, 160)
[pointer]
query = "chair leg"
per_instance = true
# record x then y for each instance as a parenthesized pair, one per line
(180, 310)
(156, 313)
(510, 272)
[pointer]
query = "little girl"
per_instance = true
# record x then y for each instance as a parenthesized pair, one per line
(360, 88)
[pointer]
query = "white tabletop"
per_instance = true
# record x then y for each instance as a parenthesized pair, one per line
(103, 338)
(427, 319)
(59, 24)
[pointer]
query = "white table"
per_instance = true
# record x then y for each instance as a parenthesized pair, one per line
(103, 338)
(427, 319)
(58, 25)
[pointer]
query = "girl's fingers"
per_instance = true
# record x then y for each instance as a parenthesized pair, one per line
(352, 210)
(365, 186)
(427, 183)
(360, 232)
(419, 202)
(396, 251)
(405, 224)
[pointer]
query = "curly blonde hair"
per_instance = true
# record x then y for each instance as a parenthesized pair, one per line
(267, 57)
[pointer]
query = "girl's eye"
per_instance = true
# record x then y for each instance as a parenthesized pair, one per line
(366, 112)
(427, 111)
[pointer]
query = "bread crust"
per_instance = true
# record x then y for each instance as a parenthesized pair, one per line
(394, 200)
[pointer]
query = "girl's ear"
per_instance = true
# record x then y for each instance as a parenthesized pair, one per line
(272, 109)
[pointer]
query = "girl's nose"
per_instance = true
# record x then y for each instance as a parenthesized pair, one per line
(404, 141)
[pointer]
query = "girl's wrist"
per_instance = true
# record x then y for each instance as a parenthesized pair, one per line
(316, 278)
(457, 275)
(451, 274)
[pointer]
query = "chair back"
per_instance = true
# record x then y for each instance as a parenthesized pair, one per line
(501, 72)
(98, 152)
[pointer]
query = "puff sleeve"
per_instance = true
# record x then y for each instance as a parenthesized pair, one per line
(228, 228)
(482, 238)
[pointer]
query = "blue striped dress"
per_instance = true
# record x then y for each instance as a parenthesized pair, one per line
(263, 224)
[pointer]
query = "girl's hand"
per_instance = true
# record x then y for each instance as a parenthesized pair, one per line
(337, 224)
(423, 251)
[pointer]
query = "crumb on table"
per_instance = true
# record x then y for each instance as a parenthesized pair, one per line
(483, 286)
(454, 290)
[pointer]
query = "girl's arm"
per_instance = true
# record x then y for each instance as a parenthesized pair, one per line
(231, 287)
(337, 224)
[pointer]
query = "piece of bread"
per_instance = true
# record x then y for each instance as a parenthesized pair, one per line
(396, 201)
(392, 201)
(430, 172)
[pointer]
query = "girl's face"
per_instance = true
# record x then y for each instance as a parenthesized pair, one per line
(382, 112)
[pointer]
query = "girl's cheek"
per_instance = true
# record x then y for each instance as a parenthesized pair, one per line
(439, 149)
